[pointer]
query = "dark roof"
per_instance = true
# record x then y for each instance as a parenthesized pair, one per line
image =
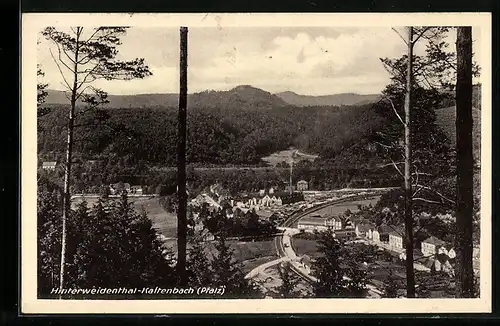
(397, 231)
(334, 217)
(365, 227)
(435, 241)
(383, 229)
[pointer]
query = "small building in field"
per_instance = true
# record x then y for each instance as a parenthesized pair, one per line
(49, 165)
(302, 185)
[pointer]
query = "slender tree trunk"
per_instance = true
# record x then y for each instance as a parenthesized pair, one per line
(67, 170)
(464, 207)
(181, 162)
(410, 275)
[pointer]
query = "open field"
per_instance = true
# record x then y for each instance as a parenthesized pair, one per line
(340, 208)
(165, 223)
(286, 156)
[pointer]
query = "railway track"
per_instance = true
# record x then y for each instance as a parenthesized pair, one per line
(296, 217)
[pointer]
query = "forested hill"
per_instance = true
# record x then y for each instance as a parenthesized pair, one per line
(328, 100)
(239, 126)
(240, 96)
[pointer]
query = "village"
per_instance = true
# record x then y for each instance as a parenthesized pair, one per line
(276, 205)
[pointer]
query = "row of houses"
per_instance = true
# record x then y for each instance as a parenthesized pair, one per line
(263, 199)
(216, 195)
(117, 188)
(433, 253)
(393, 236)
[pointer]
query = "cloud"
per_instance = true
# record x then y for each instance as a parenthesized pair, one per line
(304, 60)
(306, 64)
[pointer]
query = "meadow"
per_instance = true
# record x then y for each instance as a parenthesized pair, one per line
(165, 223)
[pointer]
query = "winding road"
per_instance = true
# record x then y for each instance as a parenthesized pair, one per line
(286, 253)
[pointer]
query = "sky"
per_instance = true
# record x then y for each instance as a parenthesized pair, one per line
(308, 61)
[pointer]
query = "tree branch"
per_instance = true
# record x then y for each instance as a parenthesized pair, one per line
(425, 29)
(401, 36)
(87, 75)
(83, 90)
(437, 193)
(62, 61)
(396, 166)
(60, 70)
(396, 112)
(426, 200)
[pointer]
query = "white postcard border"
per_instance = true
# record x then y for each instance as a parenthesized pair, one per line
(32, 23)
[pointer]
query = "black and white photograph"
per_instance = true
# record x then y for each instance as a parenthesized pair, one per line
(244, 162)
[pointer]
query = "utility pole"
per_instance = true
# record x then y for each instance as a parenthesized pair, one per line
(465, 165)
(410, 275)
(181, 162)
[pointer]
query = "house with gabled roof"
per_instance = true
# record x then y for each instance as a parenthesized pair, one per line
(334, 222)
(364, 229)
(381, 233)
(431, 245)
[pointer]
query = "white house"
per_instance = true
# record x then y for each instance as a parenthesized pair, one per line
(430, 246)
(49, 165)
(265, 201)
(312, 223)
(363, 230)
(276, 201)
(137, 190)
(334, 222)
(302, 185)
(396, 239)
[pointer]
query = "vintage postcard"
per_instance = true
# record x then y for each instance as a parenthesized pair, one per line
(256, 163)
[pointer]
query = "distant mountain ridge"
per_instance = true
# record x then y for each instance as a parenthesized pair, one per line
(244, 96)
(55, 97)
(328, 100)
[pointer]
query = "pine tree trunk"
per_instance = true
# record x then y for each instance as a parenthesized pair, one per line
(465, 173)
(181, 162)
(67, 170)
(410, 275)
